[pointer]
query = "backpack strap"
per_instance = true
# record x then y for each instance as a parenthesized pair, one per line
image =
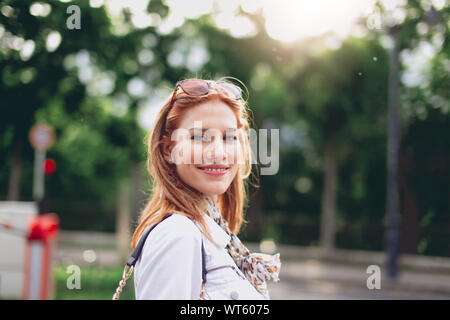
(203, 264)
(140, 245)
(138, 250)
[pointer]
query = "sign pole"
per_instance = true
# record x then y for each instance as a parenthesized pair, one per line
(42, 138)
(38, 182)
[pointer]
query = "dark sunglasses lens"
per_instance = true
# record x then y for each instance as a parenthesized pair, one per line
(231, 90)
(195, 87)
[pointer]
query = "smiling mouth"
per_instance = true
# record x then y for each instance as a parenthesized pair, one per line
(214, 171)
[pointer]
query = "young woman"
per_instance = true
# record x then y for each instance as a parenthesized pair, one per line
(199, 157)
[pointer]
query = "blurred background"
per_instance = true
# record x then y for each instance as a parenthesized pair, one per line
(359, 91)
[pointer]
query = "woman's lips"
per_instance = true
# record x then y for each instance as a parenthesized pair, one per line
(214, 172)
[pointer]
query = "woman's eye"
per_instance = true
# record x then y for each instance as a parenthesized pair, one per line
(230, 138)
(197, 137)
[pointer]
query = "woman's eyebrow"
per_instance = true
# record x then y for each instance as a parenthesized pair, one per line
(205, 129)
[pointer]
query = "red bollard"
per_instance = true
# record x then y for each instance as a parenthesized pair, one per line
(38, 284)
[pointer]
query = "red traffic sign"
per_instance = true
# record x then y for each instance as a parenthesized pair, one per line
(42, 137)
(49, 166)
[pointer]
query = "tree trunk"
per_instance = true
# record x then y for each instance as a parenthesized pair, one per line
(138, 194)
(123, 219)
(394, 137)
(327, 225)
(255, 218)
(409, 227)
(14, 178)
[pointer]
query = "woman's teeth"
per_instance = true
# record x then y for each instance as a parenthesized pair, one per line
(214, 170)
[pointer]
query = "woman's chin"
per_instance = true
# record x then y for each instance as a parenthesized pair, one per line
(213, 188)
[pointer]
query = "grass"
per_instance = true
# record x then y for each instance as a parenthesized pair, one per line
(95, 284)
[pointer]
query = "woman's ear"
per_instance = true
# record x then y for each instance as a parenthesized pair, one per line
(167, 152)
(169, 160)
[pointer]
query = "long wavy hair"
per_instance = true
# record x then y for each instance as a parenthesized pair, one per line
(165, 196)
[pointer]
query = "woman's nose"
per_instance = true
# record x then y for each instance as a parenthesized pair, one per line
(216, 152)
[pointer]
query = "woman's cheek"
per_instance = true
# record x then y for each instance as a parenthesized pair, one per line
(233, 153)
(196, 153)
(182, 152)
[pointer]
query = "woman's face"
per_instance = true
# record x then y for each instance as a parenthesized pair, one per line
(207, 151)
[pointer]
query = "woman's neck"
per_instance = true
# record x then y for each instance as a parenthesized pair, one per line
(209, 199)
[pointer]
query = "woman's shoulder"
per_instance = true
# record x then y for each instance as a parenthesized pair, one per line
(173, 234)
(175, 238)
(176, 227)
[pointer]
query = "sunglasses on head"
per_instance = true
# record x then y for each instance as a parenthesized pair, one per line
(197, 87)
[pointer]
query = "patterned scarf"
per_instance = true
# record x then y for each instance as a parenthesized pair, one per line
(257, 267)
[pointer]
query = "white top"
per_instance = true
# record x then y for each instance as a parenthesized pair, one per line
(170, 265)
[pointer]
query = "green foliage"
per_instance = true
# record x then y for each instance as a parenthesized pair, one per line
(308, 94)
(94, 147)
(96, 283)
